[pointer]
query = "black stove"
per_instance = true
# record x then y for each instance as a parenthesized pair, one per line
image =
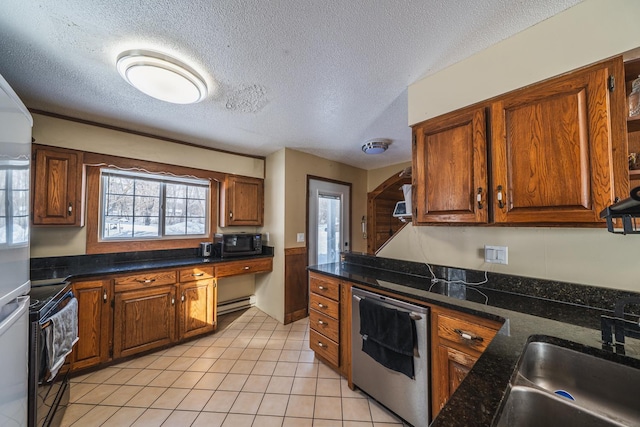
(48, 397)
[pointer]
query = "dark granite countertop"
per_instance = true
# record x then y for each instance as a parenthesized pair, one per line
(528, 308)
(81, 266)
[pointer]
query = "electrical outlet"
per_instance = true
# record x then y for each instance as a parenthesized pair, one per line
(496, 254)
(300, 237)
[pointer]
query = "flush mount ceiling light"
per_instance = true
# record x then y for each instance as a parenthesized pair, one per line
(161, 77)
(376, 146)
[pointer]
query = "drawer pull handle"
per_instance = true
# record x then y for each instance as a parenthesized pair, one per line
(246, 267)
(320, 344)
(321, 288)
(197, 274)
(320, 322)
(468, 336)
(145, 280)
(320, 305)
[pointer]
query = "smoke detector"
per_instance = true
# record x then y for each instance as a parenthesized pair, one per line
(376, 146)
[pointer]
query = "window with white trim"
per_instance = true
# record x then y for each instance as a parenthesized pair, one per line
(14, 203)
(137, 206)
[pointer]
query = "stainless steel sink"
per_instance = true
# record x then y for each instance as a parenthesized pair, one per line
(556, 385)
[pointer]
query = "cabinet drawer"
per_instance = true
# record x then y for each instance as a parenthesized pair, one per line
(326, 306)
(195, 273)
(137, 281)
(325, 325)
(469, 334)
(325, 287)
(249, 266)
(324, 347)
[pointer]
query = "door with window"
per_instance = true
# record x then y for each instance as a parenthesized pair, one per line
(329, 220)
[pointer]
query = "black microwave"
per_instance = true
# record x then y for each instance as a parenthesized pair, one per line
(237, 244)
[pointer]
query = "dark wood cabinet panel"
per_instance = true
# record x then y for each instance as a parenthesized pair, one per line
(57, 186)
(552, 150)
(450, 169)
(197, 308)
(94, 323)
(241, 201)
(296, 292)
(144, 320)
(457, 341)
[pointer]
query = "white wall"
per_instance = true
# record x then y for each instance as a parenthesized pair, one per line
(270, 287)
(589, 32)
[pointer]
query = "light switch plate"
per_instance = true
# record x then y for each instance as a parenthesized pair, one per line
(496, 254)
(300, 238)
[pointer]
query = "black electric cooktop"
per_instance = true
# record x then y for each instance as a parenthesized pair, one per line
(44, 296)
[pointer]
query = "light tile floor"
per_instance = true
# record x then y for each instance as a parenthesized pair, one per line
(253, 371)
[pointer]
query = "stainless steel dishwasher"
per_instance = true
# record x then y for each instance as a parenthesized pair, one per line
(408, 398)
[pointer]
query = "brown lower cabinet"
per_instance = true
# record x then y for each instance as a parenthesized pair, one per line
(123, 315)
(143, 320)
(94, 328)
(457, 339)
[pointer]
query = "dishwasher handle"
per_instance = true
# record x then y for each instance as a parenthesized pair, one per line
(412, 315)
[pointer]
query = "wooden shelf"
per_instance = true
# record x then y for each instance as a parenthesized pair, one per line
(633, 124)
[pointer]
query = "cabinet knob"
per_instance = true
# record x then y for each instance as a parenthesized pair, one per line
(479, 197)
(173, 301)
(197, 274)
(182, 298)
(320, 344)
(104, 295)
(320, 322)
(246, 267)
(321, 288)
(230, 214)
(145, 280)
(70, 208)
(499, 197)
(320, 305)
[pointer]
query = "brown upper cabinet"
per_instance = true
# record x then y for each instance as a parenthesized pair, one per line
(557, 152)
(450, 168)
(57, 186)
(241, 201)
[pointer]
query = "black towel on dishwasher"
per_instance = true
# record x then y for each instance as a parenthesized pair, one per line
(388, 336)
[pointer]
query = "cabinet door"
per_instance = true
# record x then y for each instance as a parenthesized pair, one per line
(94, 323)
(552, 150)
(143, 320)
(450, 169)
(197, 308)
(241, 201)
(452, 367)
(57, 187)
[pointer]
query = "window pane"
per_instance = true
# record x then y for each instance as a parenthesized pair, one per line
(196, 226)
(146, 226)
(3, 207)
(119, 205)
(20, 202)
(147, 188)
(3, 179)
(176, 190)
(196, 208)
(20, 230)
(117, 226)
(175, 226)
(147, 206)
(197, 192)
(20, 179)
(120, 185)
(3, 230)
(175, 207)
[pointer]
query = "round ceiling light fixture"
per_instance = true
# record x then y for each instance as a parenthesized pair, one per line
(376, 146)
(161, 77)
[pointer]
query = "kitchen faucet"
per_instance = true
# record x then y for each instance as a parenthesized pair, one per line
(617, 327)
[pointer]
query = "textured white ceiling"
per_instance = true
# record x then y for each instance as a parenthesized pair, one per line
(317, 76)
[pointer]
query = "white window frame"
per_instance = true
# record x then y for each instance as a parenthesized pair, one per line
(162, 179)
